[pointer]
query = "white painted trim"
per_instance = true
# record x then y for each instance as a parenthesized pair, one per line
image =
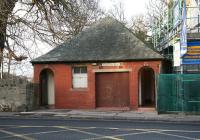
(140, 90)
(155, 89)
(51, 89)
(112, 70)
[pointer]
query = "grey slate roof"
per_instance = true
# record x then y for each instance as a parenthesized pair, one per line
(106, 40)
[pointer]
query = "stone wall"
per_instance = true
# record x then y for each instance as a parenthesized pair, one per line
(17, 94)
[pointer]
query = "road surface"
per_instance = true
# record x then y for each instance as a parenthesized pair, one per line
(62, 129)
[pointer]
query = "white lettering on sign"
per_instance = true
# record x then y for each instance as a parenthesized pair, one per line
(110, 64)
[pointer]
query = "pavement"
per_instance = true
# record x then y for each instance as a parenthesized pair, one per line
(148, 115)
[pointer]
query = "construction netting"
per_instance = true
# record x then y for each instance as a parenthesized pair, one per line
(178, 93)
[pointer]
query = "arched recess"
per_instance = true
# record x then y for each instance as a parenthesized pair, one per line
(146, 87)
(47, 88)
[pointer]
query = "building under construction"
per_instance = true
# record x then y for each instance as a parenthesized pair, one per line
(176, 34)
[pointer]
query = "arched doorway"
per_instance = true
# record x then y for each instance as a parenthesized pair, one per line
(146, 87)
(47, 90)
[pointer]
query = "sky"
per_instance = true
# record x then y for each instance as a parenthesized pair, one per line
(132, 7)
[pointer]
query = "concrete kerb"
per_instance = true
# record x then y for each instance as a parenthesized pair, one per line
(121, 115)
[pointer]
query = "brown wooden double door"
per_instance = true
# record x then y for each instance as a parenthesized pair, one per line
(112, 89)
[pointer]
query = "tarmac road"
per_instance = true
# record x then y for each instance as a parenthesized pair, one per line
(68, 129)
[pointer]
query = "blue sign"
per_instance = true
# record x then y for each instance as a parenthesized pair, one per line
(193, 53)
(190, 61)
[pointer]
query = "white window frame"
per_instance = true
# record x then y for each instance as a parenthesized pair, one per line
(79, 77)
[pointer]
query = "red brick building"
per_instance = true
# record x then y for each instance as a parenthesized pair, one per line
(103, 66)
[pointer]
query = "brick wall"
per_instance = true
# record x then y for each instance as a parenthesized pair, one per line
(67, 97)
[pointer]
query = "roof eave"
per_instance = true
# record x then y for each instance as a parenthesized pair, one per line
(95, 61)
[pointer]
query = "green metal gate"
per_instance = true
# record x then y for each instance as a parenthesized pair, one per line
(178, 93)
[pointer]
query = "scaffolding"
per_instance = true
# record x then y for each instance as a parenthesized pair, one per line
(166, 29)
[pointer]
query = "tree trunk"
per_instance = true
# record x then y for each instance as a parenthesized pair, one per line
(6, 8)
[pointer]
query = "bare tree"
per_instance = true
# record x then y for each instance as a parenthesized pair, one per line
(52, 21)
(140, 27)
(155, 9)
(118, 12)
(159, 18)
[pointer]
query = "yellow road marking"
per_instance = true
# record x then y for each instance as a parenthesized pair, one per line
(77, 130)
(179, 136)
(16, 135)
(89, 133)
(121, 135)
(145, 131)
(99, 136)
(37, 133)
